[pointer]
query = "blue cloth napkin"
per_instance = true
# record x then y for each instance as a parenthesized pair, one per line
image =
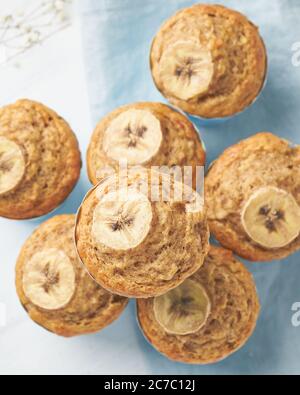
(117, 35)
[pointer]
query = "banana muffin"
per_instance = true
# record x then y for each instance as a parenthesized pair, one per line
(138, 240)
(54, 287)
(39, 160)
(253, 198)
(209, 60)
(207, 318)
(148, 134)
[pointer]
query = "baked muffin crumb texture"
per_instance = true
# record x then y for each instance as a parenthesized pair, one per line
(232, 319)
(55, 289)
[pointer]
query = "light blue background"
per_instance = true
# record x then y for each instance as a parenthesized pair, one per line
(117, 35)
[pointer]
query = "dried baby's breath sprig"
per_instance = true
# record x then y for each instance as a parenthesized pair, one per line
(23, 29)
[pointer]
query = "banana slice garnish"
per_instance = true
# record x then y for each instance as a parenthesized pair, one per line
(49, 279)
(135, 135)
(12, 165)
(183, 310)
(186, 70)
(122, 219)
(271, 217)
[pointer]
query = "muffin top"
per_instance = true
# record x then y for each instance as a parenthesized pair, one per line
(136, 239)
(253, 198)
(54, 287)
(208, 317)
(148, 134)
(209, 61)
(39, 160)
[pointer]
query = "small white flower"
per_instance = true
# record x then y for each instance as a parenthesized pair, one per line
(6, 19)
(20, 14)
(59, 5)
(33, 37)
(26, 29)
(62, 16)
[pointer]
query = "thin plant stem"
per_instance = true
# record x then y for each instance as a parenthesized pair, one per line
(32, 28)
(24, 49)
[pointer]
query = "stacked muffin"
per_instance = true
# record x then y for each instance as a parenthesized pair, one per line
(196, 303)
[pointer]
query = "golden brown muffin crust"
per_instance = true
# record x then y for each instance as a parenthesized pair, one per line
(52, 158)
(259, 161)
(91, 309)
(238, 54)
(181, 144)
(162, 261)
(235, 309)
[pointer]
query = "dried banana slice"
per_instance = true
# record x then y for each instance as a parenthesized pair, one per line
(122, 219)
(49, 279)
(271, 217)
(183, 310)
(135, 135)
(12, 165)
(186, 69)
